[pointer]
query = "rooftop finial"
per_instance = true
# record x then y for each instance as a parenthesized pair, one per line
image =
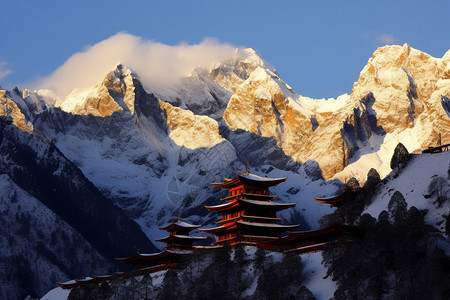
(248, 169)
(179, 217)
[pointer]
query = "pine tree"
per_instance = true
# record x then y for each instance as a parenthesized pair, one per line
(171, 286)
(439, 188)
(397, 207)
(146, 287)
(400, 157)
(260, 258)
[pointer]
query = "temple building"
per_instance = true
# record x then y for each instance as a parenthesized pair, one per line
(179, 237)
(248, 212)
(179, 243)
(312, 240)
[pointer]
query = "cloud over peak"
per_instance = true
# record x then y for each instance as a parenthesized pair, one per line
(386, 38)
(157, 64)
(4, 70)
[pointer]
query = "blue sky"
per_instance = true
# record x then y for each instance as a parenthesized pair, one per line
(317, 47)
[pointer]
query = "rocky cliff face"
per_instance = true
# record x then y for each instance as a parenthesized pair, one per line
(114, 93)
(400, 96)
(9, 108)
(406, 89)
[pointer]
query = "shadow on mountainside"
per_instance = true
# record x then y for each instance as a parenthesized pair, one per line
(261, 151)
(359, 128)
(40, 168)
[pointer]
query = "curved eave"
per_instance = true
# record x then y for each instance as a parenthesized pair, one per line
(250, 195)
(142, 257)
(329, 200)
(261, 218)
(128, 259)
(68, 284)
(180, 225)
(260, 237)
(259, 195)
(336, 199)
(332, 229)
(250, 179)
(217, 229)
(180, 237)
(310, 233)
(84, 280)
(221, 206)
(102, 277)
(266, 204)
(266, 225)
(226, 184)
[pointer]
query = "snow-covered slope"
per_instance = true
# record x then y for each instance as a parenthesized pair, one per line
(415, 184)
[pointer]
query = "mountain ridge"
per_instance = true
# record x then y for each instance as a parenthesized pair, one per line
(244, 100)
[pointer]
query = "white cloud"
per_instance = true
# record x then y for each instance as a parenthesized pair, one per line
(386, 38)
(156, 64)
(4, 71)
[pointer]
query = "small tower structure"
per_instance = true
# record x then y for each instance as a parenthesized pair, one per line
(179, 237)
(178, 245)
(248, 214)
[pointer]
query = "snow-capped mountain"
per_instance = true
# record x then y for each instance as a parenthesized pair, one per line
(154, 152)
(140, 147)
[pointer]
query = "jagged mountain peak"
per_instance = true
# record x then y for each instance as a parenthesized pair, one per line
(114, 93)
(122, 73)
(399, 92)
(242, 64)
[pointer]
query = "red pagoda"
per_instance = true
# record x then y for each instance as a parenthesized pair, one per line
(248, 212)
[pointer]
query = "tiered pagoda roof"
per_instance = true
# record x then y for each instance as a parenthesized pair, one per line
(252, 203)
(248, 179)
(144, 260)
(248, 212)
(179, 237)
(179, 243)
